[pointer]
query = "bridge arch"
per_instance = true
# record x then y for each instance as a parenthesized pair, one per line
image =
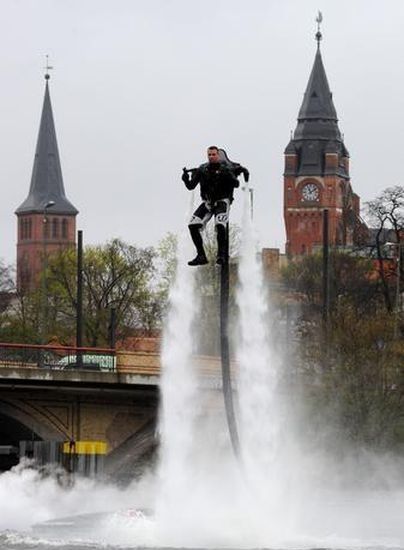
(26, 424)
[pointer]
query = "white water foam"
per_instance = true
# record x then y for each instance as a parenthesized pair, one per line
(259, 410)
(28, 497)
(260, 417)
(178, 392)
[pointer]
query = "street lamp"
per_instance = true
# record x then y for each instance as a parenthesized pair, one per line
(398, 276)
(44, 298)
(397, 308)
(251, 193)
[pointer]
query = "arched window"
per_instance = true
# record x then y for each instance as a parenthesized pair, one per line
(29, 228)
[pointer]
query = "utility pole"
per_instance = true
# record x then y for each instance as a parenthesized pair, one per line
(326, 274)
(112, 328)
(398, 300)
(79, 299)
(44, 290)
(326, 269)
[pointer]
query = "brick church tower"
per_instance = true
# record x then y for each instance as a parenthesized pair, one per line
(316, 175)
(46, 219)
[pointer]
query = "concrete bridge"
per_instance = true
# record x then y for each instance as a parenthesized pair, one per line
(69, 394)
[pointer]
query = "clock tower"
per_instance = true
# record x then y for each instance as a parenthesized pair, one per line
(316, 175)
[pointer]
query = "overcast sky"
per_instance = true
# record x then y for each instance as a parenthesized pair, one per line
(140, 88)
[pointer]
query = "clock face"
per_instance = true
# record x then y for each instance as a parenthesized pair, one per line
(310, 192)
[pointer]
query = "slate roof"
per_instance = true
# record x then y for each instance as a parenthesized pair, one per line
(317, 102)
(47, 180)
(317, 130)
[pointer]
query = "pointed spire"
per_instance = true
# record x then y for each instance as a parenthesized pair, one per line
(317, 101)
(47, 181)
(317, 117)
(317, 132)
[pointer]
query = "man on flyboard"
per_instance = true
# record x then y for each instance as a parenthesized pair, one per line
(217, 179)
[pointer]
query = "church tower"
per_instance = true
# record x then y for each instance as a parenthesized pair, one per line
(46, 219)
(316, 175)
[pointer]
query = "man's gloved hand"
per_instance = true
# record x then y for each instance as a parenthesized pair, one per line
(185, 176)
(246, 174)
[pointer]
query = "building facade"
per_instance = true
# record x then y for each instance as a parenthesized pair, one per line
(46, 220)
(316, 173)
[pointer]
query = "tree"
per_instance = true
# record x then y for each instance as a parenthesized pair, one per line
(207, 287)
(350, 276)
(115, 275)
(386, 213)
(7, 294)
(359, 389)
(166, 265)
(353, 370)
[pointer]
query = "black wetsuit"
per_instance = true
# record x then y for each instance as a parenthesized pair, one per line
(216, 179)
(217, 182)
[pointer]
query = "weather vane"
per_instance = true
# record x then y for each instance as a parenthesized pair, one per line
(47, 68)
(319, 20)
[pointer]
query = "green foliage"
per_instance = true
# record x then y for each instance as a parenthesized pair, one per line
(305, 277)
(350, 276)
(115, 276)
(354, 369)
(352, 365)
(166, 265)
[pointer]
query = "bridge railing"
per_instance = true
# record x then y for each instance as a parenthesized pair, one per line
(57, 357)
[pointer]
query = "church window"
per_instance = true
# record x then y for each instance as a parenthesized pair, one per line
(64, 228)
(55, 228)
(45, 230)
(25, 228)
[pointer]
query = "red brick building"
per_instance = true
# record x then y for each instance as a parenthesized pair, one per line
(46, 219)
(316, 175)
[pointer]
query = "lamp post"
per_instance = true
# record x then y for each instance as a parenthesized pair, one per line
(251, 193)
(398, 276)
(79, 299)
(397, 307)
(44, 298)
